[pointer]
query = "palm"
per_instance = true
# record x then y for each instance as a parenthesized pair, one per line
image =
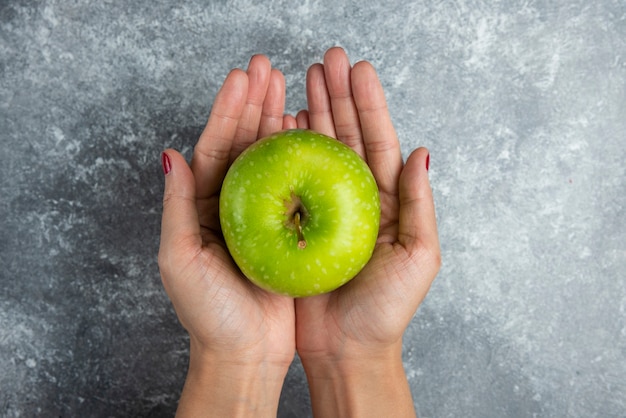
(235, 315)
(369, 309)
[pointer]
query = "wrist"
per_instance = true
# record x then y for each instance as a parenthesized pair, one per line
(350, 357)
(352, 362)
(231, 384)
(359, 383)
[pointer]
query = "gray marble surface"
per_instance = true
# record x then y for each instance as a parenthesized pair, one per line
(522, 104)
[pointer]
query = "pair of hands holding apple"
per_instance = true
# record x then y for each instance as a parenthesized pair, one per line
(242, 337)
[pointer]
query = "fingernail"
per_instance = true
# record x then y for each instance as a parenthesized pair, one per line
(167, 164)
(427, 162)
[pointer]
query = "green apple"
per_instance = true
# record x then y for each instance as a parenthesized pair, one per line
(300, 213)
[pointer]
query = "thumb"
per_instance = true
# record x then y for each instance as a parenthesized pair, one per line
(418, 223)
(180, 229)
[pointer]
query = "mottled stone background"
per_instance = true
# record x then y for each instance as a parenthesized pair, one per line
(522, 104)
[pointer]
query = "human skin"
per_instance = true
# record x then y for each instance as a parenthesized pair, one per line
(350, 341)
(242, 339)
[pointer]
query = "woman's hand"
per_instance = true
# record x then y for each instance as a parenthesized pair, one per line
(350, 340)
(242, 338)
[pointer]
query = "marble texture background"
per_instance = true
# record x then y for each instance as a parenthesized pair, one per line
(522, 104)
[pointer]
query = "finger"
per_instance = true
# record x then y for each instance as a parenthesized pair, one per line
(180, 229)
(417, 231)
(379, 136)
(212, 152)
(302, 119)
(320, 112)
(345, 116)
(274, 105)
(289, 122)
(259, 70)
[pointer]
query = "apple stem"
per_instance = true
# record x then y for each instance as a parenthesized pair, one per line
(301, 240)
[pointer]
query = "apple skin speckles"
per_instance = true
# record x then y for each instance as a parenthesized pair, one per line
(340, 213)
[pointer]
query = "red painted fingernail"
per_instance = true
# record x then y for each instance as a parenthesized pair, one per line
(167, 164)
(427, 162)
